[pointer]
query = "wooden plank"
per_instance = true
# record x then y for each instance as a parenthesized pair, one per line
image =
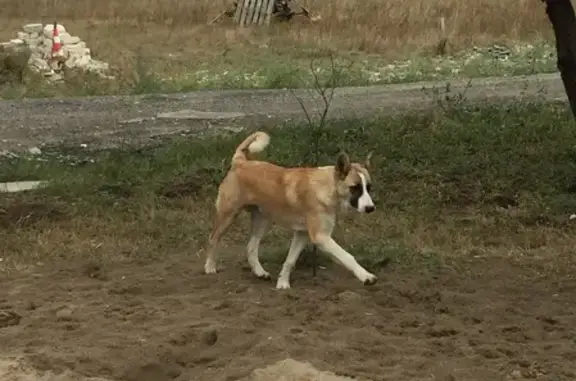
(243, 12)
(269, 11)
(257, 12)
(250, 12)
(238, 13)
(264, 15)
(242, 17)
(217, 18)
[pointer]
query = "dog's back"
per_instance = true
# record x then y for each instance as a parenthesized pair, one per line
(279, 189)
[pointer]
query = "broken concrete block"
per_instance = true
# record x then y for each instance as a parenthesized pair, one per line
(38, 38)
(68, 39)
(292, 370)
(33, 28)
(39, 64)
(77, 48)
(49, 28)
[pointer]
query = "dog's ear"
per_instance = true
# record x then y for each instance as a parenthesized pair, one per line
(342, 166)
(368, 160)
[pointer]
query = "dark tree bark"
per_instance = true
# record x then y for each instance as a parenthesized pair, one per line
(561, 15)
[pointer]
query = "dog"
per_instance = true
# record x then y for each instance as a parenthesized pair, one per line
(303, 199)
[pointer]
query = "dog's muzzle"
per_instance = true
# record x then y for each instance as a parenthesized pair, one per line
(369, 209)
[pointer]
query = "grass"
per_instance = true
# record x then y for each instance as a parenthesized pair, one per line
(164, 46)
(467, 181)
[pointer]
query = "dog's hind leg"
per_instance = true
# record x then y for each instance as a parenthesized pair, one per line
(259, 228)
(299, 241)
(223, 220)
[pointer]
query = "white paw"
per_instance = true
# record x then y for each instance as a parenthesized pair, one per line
(262, 274)
(370, 279)
(210, 268)
(282, 284)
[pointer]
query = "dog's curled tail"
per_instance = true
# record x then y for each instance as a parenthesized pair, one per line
(254, 143)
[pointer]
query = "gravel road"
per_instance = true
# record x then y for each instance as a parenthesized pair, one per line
(112, 121)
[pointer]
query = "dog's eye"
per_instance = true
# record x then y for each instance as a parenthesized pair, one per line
(369, 187)
(356, 188)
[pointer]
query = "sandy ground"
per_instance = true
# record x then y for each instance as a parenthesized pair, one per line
(485, 319)
(114, 121)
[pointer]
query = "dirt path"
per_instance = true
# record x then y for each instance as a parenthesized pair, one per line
(489, 319)
(116, 120)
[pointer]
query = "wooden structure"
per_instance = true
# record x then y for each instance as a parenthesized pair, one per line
(254, 12)
(261, 12)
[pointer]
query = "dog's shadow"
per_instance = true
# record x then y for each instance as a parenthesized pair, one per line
(311, 263)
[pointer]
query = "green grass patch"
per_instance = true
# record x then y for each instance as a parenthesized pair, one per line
(294, 67)
(469, 181)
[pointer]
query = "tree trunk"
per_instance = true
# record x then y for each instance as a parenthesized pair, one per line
(561, 15)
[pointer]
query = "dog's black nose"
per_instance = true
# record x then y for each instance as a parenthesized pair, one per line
(369, 209)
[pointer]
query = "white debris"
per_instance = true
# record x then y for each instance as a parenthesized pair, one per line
(573, 216)
(34, 150)
(293, 370)
(19, 186)
(49, 28)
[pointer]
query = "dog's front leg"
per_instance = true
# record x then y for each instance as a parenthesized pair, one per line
(329, 246)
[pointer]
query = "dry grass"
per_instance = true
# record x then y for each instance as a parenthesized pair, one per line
(372, 26)
(171, 38)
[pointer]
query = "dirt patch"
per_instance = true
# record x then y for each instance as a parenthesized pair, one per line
(487, 319)
(26, 214)
(9, 318)
(15, 370)
(191, 184)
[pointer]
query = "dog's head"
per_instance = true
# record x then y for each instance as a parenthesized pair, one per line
(353, 183)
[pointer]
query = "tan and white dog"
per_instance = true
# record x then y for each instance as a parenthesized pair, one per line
(303, 199)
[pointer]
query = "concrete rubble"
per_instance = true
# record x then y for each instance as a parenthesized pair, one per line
(293, 370)
(20, 186)
(74, 54)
